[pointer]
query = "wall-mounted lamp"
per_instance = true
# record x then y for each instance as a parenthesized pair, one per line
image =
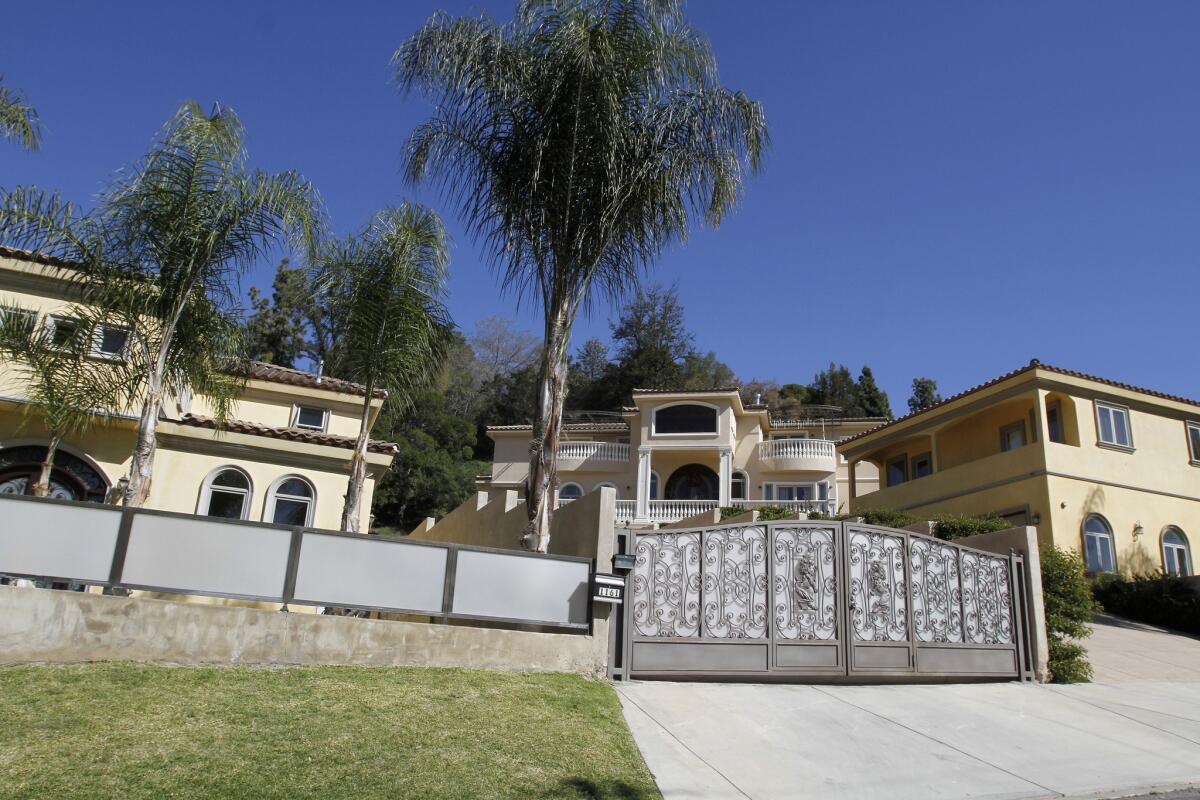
(623, 562)
(1138, 530)
(122, 485)
(1036, 519)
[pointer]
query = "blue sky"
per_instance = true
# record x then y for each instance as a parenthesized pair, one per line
(953, 188)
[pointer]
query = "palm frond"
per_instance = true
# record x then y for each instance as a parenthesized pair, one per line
(18, 118)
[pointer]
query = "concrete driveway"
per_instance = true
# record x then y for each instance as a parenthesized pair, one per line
(1116, 737)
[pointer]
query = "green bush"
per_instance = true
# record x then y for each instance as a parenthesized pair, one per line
(765, 513)
(887, 518)
(1069, 607)
(955, 526)
(1164, 601)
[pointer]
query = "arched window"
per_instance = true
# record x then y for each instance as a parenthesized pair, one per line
(290, 501)
(226, 494)
(737, 486)
(653, 485)
(72, 478)
(685, 418)
(570, 491)
(1098, 545)
(1175, 552)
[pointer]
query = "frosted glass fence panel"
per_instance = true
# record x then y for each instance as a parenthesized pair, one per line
(203, 555)
(57, 540)
(490, 584)
(339, 570)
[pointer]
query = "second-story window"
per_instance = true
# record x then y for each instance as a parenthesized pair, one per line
(737, 486)
(63, 330)
(685, 418)
(310, 418)
(922, 465)
(1193, 437)
(897, 470)
(1112, 425)
(1012, 436)
(109, 341)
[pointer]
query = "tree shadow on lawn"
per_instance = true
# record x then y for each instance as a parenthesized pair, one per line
(604, 790)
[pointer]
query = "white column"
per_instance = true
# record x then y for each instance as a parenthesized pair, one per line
(724, 486)
(642, 508)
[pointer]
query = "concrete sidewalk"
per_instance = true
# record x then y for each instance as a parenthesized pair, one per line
(926, 742)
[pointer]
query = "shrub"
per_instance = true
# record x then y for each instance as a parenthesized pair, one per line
(955, 526)
(1164, 601)
(765, 513)
(887, 518)
(1069, 607)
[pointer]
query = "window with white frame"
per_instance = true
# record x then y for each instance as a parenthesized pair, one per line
(108, 341)
(1193, 437)
(684, 419)
(570, 491)
(310, 418)
(1099, 554)
(226, 494)
(737, 486)
(291, 501)
(13, 316)
(1175, 553)
(1112, 425)
(63, 330)
(789, 492)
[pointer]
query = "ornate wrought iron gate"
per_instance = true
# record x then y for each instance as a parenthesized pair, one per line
(819, 600)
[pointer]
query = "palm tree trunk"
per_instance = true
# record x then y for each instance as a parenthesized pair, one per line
(141, 467)
(543, 448)
(352, 510)
(42, 487)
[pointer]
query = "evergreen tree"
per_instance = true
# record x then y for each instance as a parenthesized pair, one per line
(924, 394)
(872, 401)
(835, 386)
(276, 330)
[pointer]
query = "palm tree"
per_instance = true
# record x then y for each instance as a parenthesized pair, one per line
(579, 140)
(160, 256)
(388, 282)
(18, 119)
(66, 387)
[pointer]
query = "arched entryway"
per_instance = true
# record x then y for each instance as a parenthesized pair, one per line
(692, 482)
(71, 479)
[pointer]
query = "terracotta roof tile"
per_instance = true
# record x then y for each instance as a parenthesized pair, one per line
(688, 391)
(1034, 364)
(37, 258)
(287, 434)
(294, 377)
(571, 427)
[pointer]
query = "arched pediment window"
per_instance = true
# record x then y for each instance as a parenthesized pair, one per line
(686, 418)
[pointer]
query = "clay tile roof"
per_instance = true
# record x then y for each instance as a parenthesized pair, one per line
(37, 258)
(294, 377)
(288, 434)
(1033, 364)
(713, 390)
(571, 427)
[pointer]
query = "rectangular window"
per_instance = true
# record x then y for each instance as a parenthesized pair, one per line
(109, 341)
(788, 492)
(897, 470)
(1112, 425)
(310, 418)
(1054, 422)
(26, 317)
(922, 465)
(1193, 436)
(1012, 436)
(63, 331)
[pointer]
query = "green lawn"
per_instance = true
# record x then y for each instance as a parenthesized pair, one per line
(141, 731)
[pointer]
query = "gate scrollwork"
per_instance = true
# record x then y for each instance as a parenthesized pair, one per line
(805, 586)
(878, 608)
(936, 591)
(666, 585)
(987, 604)
(735, 583)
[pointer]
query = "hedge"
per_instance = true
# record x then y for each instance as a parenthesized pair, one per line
(1069, 607)
(955, 526)
(1167, 602)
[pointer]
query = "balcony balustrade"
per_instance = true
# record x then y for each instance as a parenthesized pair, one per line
(808, 455)
(663, 511)
(593, 451)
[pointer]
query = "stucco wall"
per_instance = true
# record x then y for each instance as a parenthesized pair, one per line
(48, 625)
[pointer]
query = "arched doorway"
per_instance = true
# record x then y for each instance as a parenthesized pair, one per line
(71, 479)
(692, 482)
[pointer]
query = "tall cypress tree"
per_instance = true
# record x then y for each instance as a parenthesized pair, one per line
(872, 401)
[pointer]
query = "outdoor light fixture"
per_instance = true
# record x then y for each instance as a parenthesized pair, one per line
(122, 485)
(1138, 530)
(1037, 518)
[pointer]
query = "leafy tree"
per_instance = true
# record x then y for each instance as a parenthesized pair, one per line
(705, 371)
(277, 328)
(592, 360)
(390, 278)
(652, 341)
(581, 139)
(872, 401)
(924, 394)
(434, 470)
(160, 256)
(835, 386)
(67, 389)
(18, 119)
(501, 347)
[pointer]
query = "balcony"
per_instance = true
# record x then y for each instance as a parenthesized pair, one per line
(800, 455)
(664, 511)
(595, 456)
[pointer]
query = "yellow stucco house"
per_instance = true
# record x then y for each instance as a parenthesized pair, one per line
(284, 456)
(674, 454)
(1108, 470)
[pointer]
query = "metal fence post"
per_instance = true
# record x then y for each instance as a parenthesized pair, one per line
(448, 585)
(120, 549)
(293, 563)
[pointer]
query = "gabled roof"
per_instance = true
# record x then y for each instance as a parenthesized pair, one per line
(288, 434)
(1032, 365)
